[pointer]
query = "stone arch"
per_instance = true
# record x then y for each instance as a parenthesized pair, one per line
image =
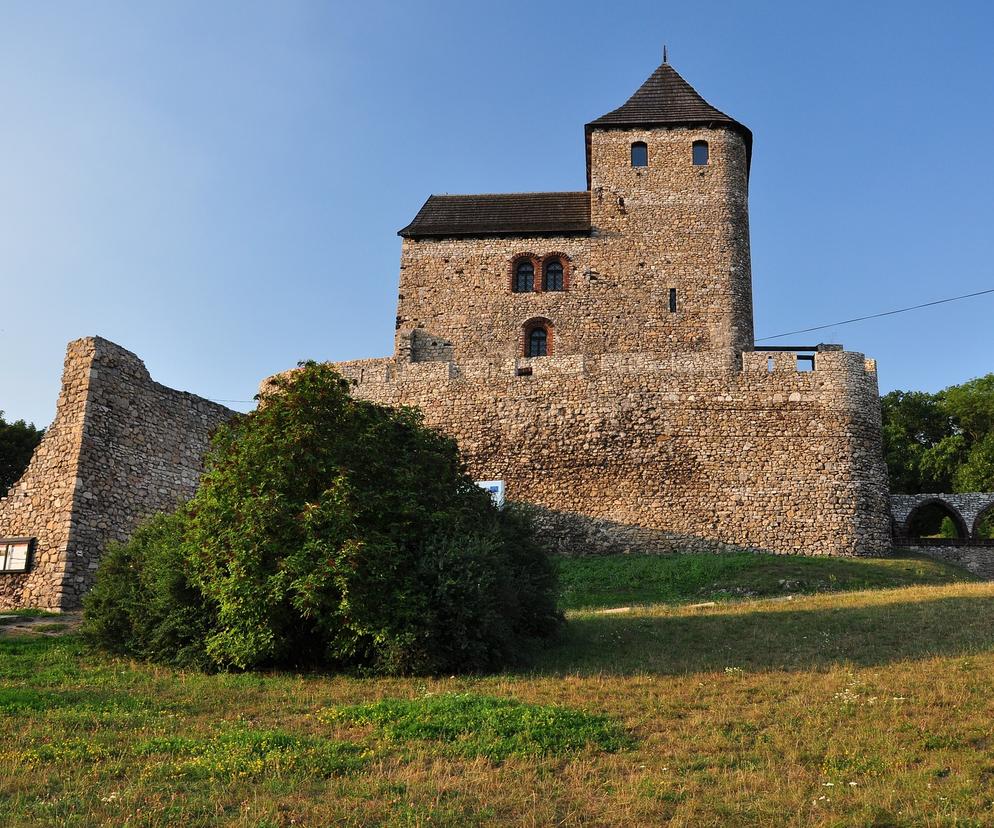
(985, 512)
(962, 529)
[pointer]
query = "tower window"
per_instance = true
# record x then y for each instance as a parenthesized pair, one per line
(672, 300)
(538, 342)
(553, 279)
(640, 154)
(700, 152)
(524, 278)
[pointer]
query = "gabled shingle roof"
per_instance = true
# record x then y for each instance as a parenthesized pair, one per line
(502, 214)
(667, 100)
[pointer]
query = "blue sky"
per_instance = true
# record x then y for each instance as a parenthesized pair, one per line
(217, 186)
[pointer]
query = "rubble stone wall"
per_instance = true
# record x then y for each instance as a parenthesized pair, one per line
(655, 452)
(976, 559)
(121, 447)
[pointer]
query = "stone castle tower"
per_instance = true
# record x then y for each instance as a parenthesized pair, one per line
(594, 350)
(655, 253)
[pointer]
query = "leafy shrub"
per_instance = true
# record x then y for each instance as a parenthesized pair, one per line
(143, 603)
(329, 530)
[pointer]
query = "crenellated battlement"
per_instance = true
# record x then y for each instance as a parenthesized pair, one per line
(776, 368)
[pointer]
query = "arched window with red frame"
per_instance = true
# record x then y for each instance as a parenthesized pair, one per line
(537, 338)
(524, 277)
(552, 277)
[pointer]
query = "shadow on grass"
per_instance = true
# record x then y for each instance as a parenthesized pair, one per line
(866, 635)
(617, 580)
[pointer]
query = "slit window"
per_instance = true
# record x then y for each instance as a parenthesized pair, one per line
(700, 153)
(672, 300)
(553, 275)
(524, 277)
(538, 342)
(640, 154)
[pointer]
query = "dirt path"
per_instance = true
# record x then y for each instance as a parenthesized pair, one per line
(14, 624)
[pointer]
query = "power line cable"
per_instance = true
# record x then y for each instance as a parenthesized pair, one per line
(816, 327)
(877, 315)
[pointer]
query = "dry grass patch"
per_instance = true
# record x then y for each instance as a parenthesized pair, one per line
(863, 708)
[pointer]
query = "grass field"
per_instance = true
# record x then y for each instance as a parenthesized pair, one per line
(840, 708)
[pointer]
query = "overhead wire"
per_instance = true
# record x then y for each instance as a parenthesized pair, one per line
(815, 327)
(877, 315)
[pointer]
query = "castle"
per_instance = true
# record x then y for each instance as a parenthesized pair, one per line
(593, 350)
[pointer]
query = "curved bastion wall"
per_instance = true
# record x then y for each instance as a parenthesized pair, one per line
(120, 448)
(654, 452)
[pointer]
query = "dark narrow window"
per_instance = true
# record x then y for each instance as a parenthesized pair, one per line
(700, 153)
(553, 276)
(640, 154)
(524, 277)
(538, 342)
(672, 300)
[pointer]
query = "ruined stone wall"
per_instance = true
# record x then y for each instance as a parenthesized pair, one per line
(668, 225)
(121, 447)
(657, 452)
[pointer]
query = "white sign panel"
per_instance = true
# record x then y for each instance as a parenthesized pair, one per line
(496, 489)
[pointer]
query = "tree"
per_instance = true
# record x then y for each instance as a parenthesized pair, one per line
(914, 423)
(18, 441)
(940, 442)
(329, 531)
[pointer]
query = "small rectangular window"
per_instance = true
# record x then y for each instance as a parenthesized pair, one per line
(15, 554)
(672, 300)
(805, 362)
(700, 151)
(640, 154)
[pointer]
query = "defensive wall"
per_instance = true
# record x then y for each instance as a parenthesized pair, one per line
(655, 452)
(120, 448)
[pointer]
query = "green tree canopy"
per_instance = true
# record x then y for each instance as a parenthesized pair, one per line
(18, 441)
(328, 530)
(941, 442)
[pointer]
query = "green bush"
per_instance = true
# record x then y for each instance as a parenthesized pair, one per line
(329, 531)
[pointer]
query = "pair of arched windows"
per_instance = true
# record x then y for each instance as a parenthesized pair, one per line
(698, 154)
(553, 275)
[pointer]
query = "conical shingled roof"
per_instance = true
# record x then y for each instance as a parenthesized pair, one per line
(667, 100)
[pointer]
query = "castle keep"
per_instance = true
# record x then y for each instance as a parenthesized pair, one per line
(594, 350)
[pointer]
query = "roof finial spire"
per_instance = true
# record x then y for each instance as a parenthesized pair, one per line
(666, 55)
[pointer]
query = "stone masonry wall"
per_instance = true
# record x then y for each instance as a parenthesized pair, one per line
(656, 452)
(668, 225)
(976, 559)
(121, 447)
